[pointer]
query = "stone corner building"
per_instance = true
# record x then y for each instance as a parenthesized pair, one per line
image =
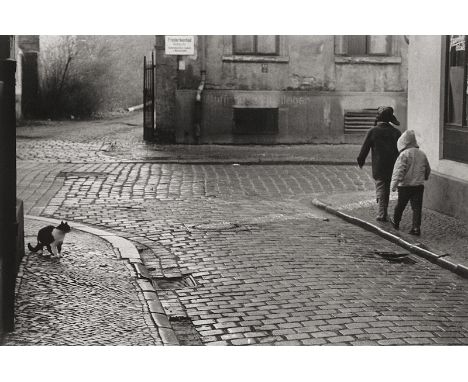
(438, 111)
(279, 89)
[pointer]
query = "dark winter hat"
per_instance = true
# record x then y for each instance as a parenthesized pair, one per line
(385, 114)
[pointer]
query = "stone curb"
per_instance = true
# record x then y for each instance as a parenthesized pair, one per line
(216, 162)
(243, 162)
(128, 251)
(459, 269)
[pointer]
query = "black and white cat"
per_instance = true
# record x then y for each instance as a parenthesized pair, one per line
(52, 238)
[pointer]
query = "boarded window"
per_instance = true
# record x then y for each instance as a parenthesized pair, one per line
(256, 121)
(256, 45)
(244, 44)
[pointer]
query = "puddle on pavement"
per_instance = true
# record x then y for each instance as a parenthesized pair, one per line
(185, 331)
(395, 257)
(165, 283)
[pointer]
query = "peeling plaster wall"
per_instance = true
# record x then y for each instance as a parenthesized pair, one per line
(317, 89)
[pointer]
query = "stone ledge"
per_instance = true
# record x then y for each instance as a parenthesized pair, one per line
(253, 58)
(376, 60)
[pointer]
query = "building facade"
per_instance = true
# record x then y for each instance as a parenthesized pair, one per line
(279, 89)
(437, 111)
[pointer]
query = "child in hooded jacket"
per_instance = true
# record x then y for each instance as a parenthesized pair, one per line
(409, 173)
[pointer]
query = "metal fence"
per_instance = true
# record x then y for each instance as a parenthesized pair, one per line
(148, 98)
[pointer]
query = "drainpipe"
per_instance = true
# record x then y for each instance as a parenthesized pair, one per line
(201, 87)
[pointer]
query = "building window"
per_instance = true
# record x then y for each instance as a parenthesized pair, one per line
(256, 45)
(456, 106)
(456, 81)
(362, 45)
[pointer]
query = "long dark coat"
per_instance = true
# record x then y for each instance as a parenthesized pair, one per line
(382, 140)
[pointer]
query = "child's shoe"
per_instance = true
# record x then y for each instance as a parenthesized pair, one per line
(394, 225)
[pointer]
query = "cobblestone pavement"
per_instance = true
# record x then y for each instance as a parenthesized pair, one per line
(439, 232)
(121, 140)
(241, 257)
(86, 298)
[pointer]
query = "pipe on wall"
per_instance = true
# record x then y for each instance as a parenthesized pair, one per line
(201, 87)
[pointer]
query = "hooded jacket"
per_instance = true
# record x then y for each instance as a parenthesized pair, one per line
(382, 139)
(412, 167)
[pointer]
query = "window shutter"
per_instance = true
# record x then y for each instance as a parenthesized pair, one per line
(341, 45)
(357, 45)
(379, 45)
(244, 44)
(267, 45)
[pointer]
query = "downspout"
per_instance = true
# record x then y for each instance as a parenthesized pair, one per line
(201, 87)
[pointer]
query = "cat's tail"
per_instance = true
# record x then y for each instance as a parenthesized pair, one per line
(34, 249)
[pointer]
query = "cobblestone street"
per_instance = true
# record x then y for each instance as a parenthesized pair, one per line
(237, 253)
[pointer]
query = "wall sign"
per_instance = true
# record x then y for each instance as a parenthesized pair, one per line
(180, 45)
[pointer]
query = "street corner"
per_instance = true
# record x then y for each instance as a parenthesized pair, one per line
(87, 297)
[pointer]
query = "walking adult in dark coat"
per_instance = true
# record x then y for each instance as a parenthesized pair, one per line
(382, 140)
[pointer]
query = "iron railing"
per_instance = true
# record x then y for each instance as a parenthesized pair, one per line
(148, 99)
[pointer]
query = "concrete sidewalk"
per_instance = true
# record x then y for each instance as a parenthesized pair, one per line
(444, 235)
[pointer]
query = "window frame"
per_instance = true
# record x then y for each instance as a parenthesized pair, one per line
(455, 136)
(342, 41)
(366, 50)
(255, 47)
(447, 105)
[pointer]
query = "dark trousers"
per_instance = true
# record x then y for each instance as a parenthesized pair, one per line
(382, 190)
(413, 194)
